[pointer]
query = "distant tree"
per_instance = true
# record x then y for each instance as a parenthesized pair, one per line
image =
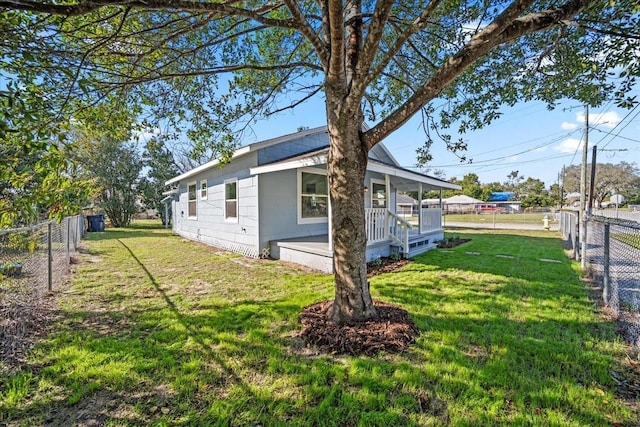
(161, 167)
(533, 193)
(514, 179)
(555, 196)
(114, 168)
(622, 178)
(471, 185)
(634, 197)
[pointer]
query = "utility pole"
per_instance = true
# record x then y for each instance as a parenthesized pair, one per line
(592, 184)
(583, 191)
(561, 186)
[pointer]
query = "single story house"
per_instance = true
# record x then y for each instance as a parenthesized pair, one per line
(272, 199)
(406, 205)
(461, 203)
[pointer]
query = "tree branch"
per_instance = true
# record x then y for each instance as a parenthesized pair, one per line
(308, 32)
(417, 25)
(210, 71)
(84, 8)
(335, 75)
(505, 28)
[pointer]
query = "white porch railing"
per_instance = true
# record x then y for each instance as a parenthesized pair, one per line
(431, 220)
(399, 231)
(376, 224)
(382, 225)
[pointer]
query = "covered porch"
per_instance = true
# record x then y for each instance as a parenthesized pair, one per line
(386, 231)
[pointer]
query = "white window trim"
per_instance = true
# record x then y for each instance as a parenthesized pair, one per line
(224, 200)
(189, 184)
(318, 220)
(386, 195)
(204, 196)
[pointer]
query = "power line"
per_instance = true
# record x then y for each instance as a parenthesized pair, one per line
(481, 162)
(619, 123)
(607, 133)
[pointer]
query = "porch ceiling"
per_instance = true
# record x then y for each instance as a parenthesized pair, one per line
(407, 180)
(409, 185)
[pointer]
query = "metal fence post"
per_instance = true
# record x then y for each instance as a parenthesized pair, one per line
(49, 259)
(68, 237)
(576, 241)
(605, 279)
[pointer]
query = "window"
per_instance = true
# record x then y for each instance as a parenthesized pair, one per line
(313, 197)
(378, 194)
(231, 201)
(203, 190)
(192, 208)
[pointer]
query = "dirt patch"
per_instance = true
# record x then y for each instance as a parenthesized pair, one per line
(392, 330)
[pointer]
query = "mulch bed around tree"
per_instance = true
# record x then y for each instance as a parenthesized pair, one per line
(392, 331)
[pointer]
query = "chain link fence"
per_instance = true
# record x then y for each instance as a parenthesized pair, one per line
(33, 261)
(570, 232)
(611, 258)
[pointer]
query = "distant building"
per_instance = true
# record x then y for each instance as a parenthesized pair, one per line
(502, 196)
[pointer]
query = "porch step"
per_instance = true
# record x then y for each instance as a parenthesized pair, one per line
(418, 245)
(417, 250)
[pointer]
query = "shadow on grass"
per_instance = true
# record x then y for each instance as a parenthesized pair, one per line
(128, 233)
(201, 363)
(219, 365)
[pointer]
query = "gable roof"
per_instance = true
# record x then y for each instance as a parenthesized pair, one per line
(248, 149)
(380, 160)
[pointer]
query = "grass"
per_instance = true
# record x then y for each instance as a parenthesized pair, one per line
(499, 218)
(156, 330)
(630, 239)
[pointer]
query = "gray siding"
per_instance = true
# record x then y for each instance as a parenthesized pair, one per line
(279, 209)
(210, 225)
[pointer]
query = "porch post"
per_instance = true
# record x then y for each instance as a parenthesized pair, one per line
(387, 189)
(420, 207)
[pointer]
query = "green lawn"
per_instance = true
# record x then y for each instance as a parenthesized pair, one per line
(498, 218)
(156, 330)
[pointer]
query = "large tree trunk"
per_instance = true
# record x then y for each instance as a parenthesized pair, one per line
(347, 164)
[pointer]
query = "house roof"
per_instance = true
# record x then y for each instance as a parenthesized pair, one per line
(403, 178)
(462, 199)
(405, 199)
(248, 149)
